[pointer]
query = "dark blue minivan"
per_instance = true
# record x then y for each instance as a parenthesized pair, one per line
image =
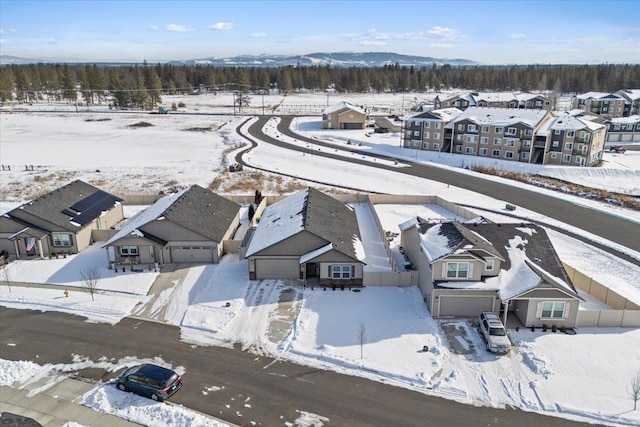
(152, 381)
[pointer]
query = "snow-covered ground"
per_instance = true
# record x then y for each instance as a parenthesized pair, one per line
(584, 376)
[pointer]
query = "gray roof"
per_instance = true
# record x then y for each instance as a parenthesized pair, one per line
(195, 209)
(69, 207)
(309, 210)
(500, 116)
(460, 238)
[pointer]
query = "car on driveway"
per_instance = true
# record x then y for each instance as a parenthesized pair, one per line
(617, 149)
(148, 380)
(494, 333)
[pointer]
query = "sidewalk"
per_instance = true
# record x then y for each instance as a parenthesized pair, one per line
(55, 407)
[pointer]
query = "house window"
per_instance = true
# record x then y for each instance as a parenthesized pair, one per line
(566, 158)
(571, 134)
(508, 154)
(458, 270)
(488, 266)
(61, 239)
(485, 129)
(437, 125)
(528, 132)
(568, 146)
(426, 135)
(511, 143)
(436, 147)
(483, 151)
(416, 144)
(499, 130)
(525, 156)
(484, 140)
(427, 125)
(436, 135)
(469, 150)
(511, 131)
(471, 139)
(497, 141)
(341, 272)
(425, 145)
(472, 128)
(416, 133)
(495, 153)
(461, 126)
(556, 132)
(553, 310)
(129, 250)
(556, 144)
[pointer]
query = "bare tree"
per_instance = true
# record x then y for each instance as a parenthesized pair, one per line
(362, 339)
(6, 277)
(634, 390)
(91, 277)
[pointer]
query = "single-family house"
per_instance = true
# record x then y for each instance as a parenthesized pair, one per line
(344, 116)
(59, 222)
(511, 269)
(310, 236)
(189, 226)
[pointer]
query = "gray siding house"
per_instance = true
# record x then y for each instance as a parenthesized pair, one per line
(511, 269)
(185, 227)
(59, 222)
(308, 236)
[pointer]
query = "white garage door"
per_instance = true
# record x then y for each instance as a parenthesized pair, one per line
(465, 306)
(195, 254)
(277, 269)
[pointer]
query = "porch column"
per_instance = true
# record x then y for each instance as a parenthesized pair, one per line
(40, 249)
(506, 310)
(15, 245)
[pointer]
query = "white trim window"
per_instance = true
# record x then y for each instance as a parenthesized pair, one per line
(499, 130)
(436, 147)
(427, 125)
(342, 272)
(471, 139)
(129, 250)
(436, 125)
(511, 131)
(425, 145)
(436, 136)
(469, 150)
(495, 153)
(484, 140)
(61, 240)
(483, 151)
(485, 129)
(553, 309)
(426, 135)
(497, 141)
(489, 264)
(508, 154)
(472, 128)
(457, 270)
(566, 158)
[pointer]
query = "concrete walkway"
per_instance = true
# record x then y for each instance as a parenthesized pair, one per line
(169, 281)
(54, 407)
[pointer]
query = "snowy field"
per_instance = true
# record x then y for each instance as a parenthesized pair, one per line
(583, 377)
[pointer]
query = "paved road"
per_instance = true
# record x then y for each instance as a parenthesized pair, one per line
(614, 228)
(266, 391)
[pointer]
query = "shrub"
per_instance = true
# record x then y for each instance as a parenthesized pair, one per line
(181, 104)
(554, 328)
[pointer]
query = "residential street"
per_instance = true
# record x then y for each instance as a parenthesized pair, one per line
(275, 388)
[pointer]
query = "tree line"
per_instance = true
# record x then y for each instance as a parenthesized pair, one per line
(142, 85)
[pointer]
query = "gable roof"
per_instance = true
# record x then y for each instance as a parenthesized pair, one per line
(444, 114)
(69, 207)
(343, 106)
(569, 122)
(313, 211)
(195, 209)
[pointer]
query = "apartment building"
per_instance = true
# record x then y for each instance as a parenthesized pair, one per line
(608, 105)
(500, 133)
(632, 101)
(463, 101)
(571, 141)
(426, 131)
(623, 129)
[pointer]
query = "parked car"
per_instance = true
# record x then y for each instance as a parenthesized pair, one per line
(494, 333)
(148, 380)
(617, 149)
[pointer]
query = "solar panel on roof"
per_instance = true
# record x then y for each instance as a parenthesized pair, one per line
(92, 207)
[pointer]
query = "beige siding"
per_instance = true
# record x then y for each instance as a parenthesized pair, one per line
(476, 267)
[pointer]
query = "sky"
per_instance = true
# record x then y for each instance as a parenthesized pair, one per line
(489, 32)
(542, 374)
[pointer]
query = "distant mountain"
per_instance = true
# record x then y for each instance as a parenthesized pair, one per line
(340, 59)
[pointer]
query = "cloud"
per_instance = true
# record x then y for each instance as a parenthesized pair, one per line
(258, 35)
(440, 45)
(373, 43)
(517, 36)
(221, 26)
(178, 28)
(443, 33)
(154, 28)
(7, 31)
(3, 41)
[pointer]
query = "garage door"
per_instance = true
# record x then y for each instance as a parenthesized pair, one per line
(195, 254)
(351, 125)
(465, 306)
(277, 269)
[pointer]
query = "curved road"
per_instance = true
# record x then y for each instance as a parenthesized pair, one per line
(265, 391)
(614, 228)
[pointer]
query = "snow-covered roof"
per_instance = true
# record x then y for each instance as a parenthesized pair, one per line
(341, 106)
(313, 211)
(625, 120)
(599, 95)
(500, 116)
(574, 123)
(443, 114)
(316, 253)
(495, 97)
(145, 216)
(630, 94)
